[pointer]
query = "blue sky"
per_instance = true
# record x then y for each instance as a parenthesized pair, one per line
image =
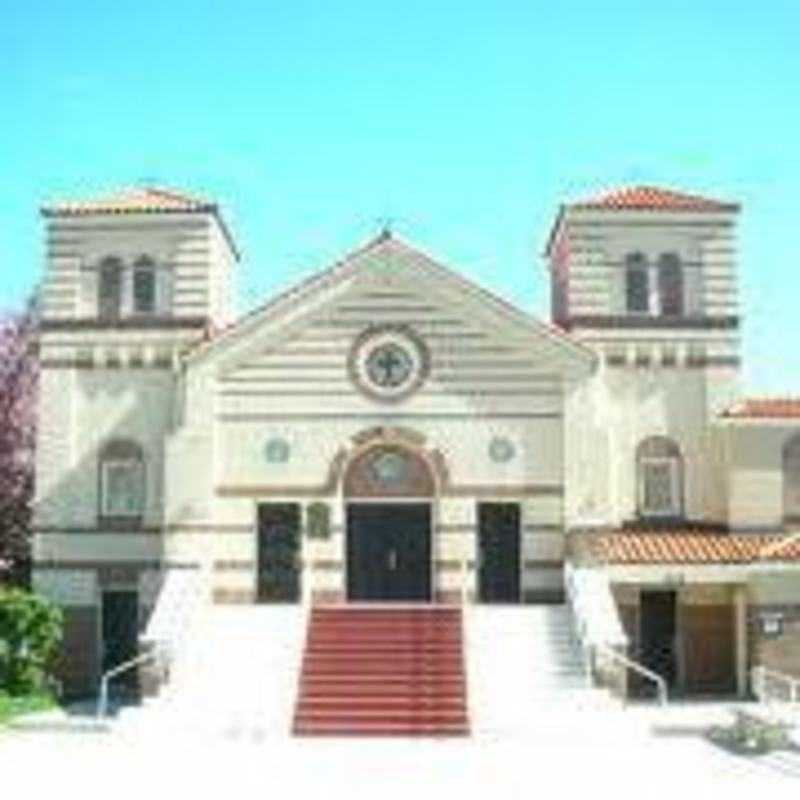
(467, 123)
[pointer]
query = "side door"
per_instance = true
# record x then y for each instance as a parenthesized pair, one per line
(278, 573)
(498, 552)
(120, 635)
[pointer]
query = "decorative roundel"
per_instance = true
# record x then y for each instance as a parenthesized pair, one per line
(390, 467)
(501, 450)
(388, 363)
(276, 451)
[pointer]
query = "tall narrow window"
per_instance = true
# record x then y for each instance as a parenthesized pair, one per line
(637, 286)
(791, 479)
(109, 292)
(670, 285)
(122, 480)
(144, 287)
(659, 468)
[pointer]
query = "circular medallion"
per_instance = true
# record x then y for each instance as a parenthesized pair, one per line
(501, 450)
(390, 467)
(388, 363)
(276, 451)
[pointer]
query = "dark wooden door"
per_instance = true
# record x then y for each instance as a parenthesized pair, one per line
(278, 576)
(708, 636)
(388, 552)
(657, 634)
(498, 552)
(120, 635)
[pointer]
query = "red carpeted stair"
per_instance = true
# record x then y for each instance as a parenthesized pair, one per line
(383, 671)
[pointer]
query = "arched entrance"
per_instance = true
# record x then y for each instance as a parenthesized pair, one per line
(388, 491)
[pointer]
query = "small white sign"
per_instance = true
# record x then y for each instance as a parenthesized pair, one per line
(772, 624)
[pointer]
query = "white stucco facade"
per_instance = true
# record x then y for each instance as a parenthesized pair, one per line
(565, 404)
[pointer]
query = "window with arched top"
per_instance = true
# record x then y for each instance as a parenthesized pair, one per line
(109, 289)
(145, 286)
(670, 285)
(637, 284)
(659, 475)
(791, 479)
(122, 480)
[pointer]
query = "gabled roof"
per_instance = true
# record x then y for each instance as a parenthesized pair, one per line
(653, 198)
(764, 408)
(641, 198)
(134, 200)
(326, 277)
(358, 259)
(140, 200)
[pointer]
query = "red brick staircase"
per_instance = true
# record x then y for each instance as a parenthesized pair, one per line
(383, 671)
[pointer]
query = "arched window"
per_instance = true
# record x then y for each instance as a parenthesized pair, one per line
(791, 479)
(670, 284)
(637, 284)
(144, 286)
(109, 289)
(659, 473)
(122, 480)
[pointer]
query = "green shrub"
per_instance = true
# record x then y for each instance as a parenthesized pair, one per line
(750, 735)
(19, 705)
(30, 632)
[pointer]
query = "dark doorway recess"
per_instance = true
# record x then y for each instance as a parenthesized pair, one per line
(120, 637)
(389, 552)
(278, 576)
(658, 636)
(498, 553)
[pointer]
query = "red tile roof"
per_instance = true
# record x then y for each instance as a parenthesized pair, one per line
(144, 200)
(639, 198)
(653, 198)
(689, 547)
(765, 408)
(130, 201)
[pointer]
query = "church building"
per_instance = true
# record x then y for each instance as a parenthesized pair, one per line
(389, 432)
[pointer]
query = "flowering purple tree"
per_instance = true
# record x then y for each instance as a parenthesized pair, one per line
(18, 400)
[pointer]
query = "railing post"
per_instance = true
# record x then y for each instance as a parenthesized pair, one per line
(103, 701)
(758, 687)
(624, 691)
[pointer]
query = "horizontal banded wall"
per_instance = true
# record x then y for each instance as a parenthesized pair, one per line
(195, 257)
(600, 241)
(230, 550)
(473, 369)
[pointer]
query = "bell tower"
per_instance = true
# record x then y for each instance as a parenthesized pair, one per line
(132, 280)
(647, 277)
(141, 258)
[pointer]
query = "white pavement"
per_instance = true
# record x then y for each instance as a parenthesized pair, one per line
(224, 727)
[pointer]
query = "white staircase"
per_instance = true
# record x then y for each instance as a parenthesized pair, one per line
(525, 672)
(182, 595)
(235, 678)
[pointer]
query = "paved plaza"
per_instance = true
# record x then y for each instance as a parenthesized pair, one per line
(659, 752)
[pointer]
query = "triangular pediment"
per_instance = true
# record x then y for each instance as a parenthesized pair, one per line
(391, 282)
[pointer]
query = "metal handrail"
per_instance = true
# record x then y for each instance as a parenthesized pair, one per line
(660, 682)
(102, 701)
